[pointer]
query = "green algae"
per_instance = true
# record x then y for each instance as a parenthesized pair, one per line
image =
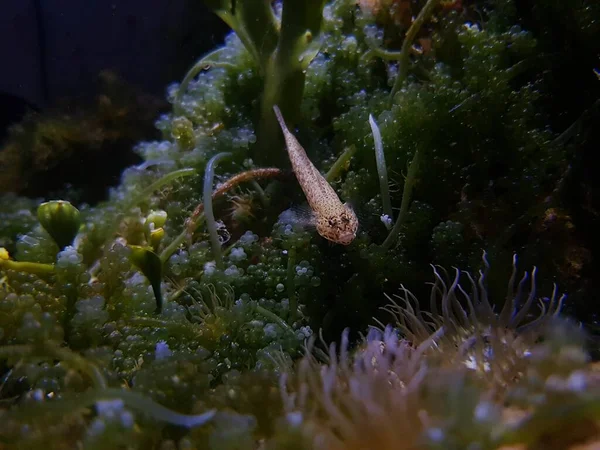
(470, 158)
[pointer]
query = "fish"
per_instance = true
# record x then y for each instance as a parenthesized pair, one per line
(334, 220)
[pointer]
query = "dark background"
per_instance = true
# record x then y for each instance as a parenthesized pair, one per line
(50, 49)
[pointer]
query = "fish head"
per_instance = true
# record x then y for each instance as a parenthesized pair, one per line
(340, 227)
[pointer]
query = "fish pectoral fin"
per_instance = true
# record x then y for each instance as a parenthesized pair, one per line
(299, 216)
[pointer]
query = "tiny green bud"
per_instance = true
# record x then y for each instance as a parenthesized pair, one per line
(150, 265)
(61, 220)
(155, 237)
(158, 218)
(153, 228)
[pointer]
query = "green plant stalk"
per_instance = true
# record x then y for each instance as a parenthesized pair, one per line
(285, 73)
(211, 223)
(50, 350)
(261, 193)
(207, 61)
(381, 53)
(291, 288)
(179, 240)
(25, 266)
(224, 13)
(411, 34)
(409, 185)
(260, 25)
(166, 179)
(130, 399)
(336, 169)
(381, 169)
(375, 51)
(254, 23)
(274, 317)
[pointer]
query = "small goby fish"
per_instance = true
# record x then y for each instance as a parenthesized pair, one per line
(335, 221)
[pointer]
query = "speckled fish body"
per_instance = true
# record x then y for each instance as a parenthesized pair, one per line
(335, 220)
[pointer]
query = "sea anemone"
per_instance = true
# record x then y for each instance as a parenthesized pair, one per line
(360, 401)
(442, 385)
(493, 343)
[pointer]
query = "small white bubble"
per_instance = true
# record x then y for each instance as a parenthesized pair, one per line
(37, 395)
(232, 271)
(306, 331)
(96, 428)
(386, 220)
(270, 330)
(294, 418)
(162, 351)
(108, 408)
(484, 411)
(237, 254)
(127, 420)
(210, 268)
(577, 381)
(435, 434)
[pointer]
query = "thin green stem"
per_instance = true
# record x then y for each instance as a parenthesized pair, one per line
(235, 24)
(207, 61)
(134, 400)
(381, 53)
(211, 223)
(130, 399)
(166, 179)
(409, 184)
(274, 317)
(411, 34)
(77, 361)
(390, 55)
(48, 349)
(180, 239)
(381, 169)
(26, 266)
(387, 54)
(336, 169)
(291, 288)
(260, 26)
(261, 193)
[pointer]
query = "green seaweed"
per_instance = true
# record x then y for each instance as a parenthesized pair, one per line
(463, 94)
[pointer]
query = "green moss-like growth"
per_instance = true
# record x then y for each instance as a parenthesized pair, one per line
(209, 228)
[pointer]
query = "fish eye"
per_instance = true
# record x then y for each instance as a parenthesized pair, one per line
(331, 222)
